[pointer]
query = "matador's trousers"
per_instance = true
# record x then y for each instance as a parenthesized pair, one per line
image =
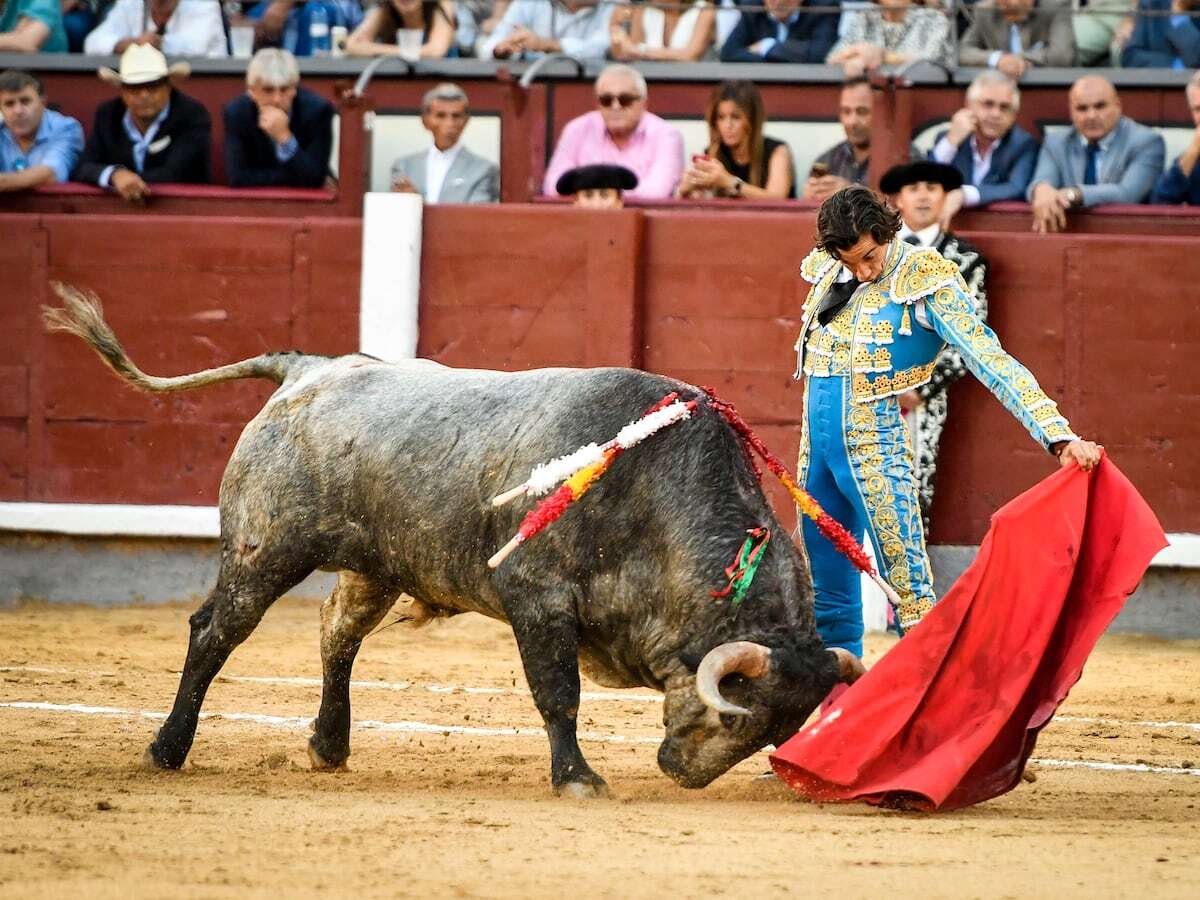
(856, 460)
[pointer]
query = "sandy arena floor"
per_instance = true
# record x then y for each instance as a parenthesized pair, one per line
(455, 809)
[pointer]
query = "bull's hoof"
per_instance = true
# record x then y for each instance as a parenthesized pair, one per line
(154, 759)
(321, 764)
(584, 790)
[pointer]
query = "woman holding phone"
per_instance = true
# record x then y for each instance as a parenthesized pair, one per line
(740, 161)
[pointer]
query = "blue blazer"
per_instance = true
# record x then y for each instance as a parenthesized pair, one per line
(1157, 42)
(250, 159)
(809, 39)
(1012, 166)
(1128, 169)
(1173, 187)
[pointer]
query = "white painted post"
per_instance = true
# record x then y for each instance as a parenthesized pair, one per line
(391, 275)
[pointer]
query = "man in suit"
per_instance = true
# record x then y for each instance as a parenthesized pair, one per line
(1181, 182)
(919, 191)
(447, 172)
(278, 133)
(1164, 36)
(151, 134)
(1013, 35)
(1104, 158)
(994, 155)
(785, 32)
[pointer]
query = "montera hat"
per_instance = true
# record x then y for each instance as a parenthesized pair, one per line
(922, 170)
(143, 64)
(596, 177)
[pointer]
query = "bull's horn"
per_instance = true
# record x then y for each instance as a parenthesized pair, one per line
(849, 665)
(744, 657)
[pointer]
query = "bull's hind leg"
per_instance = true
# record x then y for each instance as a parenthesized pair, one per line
(356, 606)
(231, 612)
(547, 633)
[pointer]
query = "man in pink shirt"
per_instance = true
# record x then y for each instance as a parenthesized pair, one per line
(621, 132)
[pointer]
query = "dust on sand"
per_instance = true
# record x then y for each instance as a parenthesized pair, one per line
(471, 814)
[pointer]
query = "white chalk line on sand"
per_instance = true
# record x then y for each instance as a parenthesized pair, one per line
(302, 723)
(296, 681)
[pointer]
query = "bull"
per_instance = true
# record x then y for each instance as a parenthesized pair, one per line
(383, 473)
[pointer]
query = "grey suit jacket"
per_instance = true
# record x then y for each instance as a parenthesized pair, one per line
(1047, 36)
(1128, 168)
(471, 179)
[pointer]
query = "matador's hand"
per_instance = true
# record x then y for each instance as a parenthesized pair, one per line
(1085, 453)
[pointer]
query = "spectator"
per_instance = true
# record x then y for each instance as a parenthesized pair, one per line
(671, 33)
(477, 19)
(447, 172)
(177, 27)
(892, 34)
(152, 134)
(79, 17)
(845, 163)
(32, 26)
(741, 161)
(1181, 182)
(1102, 28)
(287, 24)
(37, 145)
(1104, 158)
(597, 187)
(622, 132)
(785, 32)
(1161, 41)
(277, 134)
(994, 155)
(377, 33)
(577, 28)
(1013, 35)
(919, 190)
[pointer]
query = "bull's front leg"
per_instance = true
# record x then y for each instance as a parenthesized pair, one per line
(548, 638)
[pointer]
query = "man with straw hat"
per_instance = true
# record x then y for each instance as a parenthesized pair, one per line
(151, 134)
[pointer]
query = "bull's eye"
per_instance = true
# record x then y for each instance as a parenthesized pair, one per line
(729, 722)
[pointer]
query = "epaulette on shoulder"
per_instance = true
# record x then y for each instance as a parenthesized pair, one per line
(816, 265)
(920, 273)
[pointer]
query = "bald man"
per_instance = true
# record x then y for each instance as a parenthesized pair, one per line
(1105, 158)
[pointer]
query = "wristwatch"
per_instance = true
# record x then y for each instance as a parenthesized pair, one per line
(736, 191)
(1075, 195)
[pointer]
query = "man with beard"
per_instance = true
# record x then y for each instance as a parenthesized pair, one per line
(919, 191)
(845, 163)
(878, 315)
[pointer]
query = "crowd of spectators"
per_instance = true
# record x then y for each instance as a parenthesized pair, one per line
(858, 35)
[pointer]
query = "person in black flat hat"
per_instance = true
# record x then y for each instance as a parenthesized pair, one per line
(918, 190)
(599, 186)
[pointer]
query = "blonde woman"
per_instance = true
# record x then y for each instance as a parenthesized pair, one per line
(894, 34)
(741, 161)
(669, 33)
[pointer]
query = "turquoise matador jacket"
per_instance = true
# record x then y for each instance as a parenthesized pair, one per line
(855, 453)
(899, 325)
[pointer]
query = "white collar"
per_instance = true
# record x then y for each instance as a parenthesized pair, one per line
(1105, 142)
(447, 155)
(927, 236)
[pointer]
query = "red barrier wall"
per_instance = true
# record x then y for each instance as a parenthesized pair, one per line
(708, 296)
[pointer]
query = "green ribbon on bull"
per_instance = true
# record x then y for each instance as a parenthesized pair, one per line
(745, 564)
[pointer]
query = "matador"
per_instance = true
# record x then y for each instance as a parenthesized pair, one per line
(878, 314)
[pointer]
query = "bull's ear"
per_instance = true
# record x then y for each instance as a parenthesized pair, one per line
(850, 667)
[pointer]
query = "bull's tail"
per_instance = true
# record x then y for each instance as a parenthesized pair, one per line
(82, 316)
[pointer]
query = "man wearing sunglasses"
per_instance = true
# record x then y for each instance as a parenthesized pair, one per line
(152, 133)
(621, 132)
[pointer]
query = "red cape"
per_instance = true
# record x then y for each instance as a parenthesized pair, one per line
(951, 714)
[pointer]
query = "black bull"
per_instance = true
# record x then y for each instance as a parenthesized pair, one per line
(384, 473)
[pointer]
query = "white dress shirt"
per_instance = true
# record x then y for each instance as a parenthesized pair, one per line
(437, 165)
(194, 29)
(927, 236)
(944, 152)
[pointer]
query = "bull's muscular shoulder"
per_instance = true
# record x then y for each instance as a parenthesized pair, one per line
(816, 265)
(920, 273)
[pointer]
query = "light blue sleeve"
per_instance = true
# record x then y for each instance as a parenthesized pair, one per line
(952, 314)
(64, 149)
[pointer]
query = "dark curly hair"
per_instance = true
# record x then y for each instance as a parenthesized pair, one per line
(851, 213)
